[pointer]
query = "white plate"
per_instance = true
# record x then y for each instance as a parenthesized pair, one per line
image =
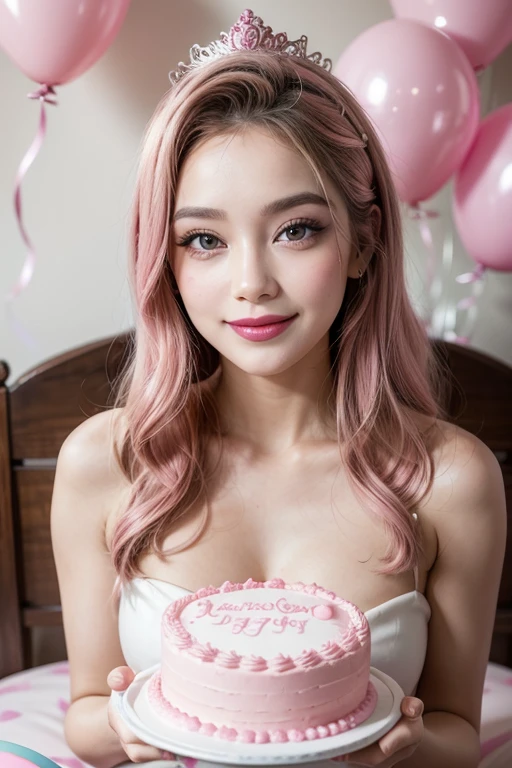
(152, 728)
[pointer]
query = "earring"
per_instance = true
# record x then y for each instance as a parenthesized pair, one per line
(359, 273)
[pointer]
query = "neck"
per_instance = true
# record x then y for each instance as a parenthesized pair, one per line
(278, 413)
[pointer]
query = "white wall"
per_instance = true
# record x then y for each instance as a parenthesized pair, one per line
(76, 196)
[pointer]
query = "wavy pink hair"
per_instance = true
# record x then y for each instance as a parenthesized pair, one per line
(382, 361)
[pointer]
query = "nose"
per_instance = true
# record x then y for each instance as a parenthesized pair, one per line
(252, 273)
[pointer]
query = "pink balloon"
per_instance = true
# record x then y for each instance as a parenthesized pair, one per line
(482, 200)
(422, 95)
(54, 41)
(482, 28)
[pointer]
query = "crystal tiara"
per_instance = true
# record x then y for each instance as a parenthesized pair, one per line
(249, 33)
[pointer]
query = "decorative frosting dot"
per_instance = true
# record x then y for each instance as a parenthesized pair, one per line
(208, 729)
(295, 735)
(322, 611)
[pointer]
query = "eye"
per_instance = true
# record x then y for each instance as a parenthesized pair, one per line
(206, 241)
(296, 230)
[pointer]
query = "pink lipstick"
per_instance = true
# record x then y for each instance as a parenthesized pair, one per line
(262, 328)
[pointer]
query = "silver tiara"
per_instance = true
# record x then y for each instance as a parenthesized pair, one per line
(249, 33)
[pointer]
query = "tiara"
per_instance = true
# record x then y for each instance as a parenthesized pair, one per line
(250, 34)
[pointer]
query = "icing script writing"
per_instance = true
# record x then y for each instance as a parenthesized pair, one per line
(253, 625)
(282, 605)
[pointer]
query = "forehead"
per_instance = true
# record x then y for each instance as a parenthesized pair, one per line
(246, 169)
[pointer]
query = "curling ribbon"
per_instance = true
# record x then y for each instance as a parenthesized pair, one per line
(422, 215)
(46, 95)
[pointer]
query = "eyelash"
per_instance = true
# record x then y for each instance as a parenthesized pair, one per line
(312, 224)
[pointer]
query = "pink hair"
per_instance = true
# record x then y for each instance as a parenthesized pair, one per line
(383, 365)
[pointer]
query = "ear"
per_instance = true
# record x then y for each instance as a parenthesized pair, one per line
(360, 260)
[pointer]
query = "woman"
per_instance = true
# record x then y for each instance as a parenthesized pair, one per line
(313, 449)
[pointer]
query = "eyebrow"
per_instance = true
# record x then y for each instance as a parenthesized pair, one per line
(278, 206)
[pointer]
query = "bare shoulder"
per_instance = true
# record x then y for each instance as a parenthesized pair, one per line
(87, 454)
(466, 505)
(467, 475)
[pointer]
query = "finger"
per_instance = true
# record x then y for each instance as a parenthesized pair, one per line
(136, 750)
(412, 707)
(366, 758)
(407, 733)
(120, 678)
(142, 753)
(402, 739)
(118, 725)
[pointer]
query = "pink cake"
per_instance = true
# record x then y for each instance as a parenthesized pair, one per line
(264, 662)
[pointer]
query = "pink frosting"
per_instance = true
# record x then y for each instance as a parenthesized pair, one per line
(356, 635)
(316, 692)
(254, 663)
(181, 719)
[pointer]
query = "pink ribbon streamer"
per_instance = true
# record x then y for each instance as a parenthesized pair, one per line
(46, 95)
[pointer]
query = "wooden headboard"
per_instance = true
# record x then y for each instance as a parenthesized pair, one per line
(43, 406)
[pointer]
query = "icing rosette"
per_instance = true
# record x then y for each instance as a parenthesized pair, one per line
(274, 584)
(251, 584)
(228, 659)
(331, 651)
(281, 663)
(230, 586)
(204, 652)
(308, 659)
(203, 592)
(351, 640)
(254, 663)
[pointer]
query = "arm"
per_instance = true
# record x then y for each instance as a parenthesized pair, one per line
(448, 740)
(468, 509)
(87, 488)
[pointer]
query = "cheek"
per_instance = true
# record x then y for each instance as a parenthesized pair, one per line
(324, 285)
(195, 292)
(202, 298)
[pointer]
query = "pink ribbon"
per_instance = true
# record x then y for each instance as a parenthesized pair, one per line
(46, 95)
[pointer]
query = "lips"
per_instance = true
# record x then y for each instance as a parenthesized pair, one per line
(251, 322)
(263, 332)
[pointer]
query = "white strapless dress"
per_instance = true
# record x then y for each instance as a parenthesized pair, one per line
(399, 633)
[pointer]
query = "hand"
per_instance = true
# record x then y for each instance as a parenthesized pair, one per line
(397, 744)
(119, 679)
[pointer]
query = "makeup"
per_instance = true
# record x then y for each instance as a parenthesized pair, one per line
(262, 332)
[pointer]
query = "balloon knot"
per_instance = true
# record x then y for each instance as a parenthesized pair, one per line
(45, 93)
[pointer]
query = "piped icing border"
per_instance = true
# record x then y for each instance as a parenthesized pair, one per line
(250, 736)
(356, 636)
